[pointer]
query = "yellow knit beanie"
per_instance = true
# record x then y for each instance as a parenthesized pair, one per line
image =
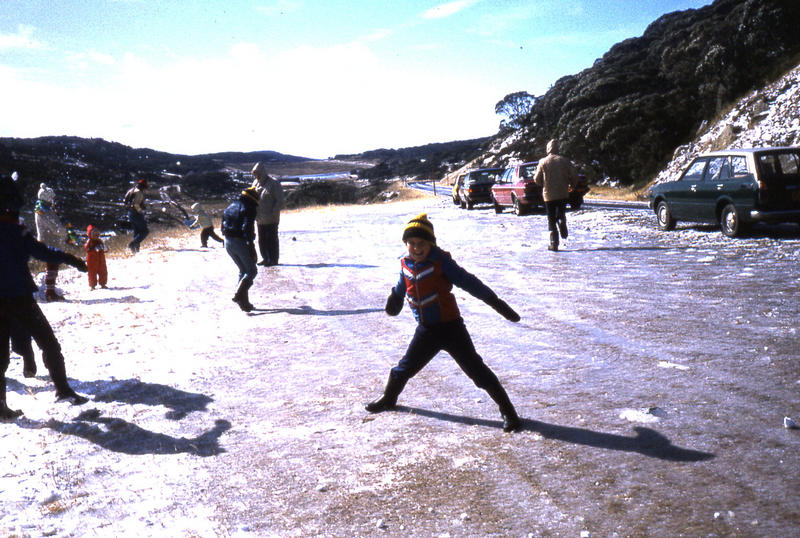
(420, 227)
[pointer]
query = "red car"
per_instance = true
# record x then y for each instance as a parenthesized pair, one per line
(515, 188)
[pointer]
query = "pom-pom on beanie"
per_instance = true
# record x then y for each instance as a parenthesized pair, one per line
(420, 227)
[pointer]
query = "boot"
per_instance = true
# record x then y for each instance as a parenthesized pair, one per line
(389, 399)
(553, 242)
(6, 413)
(52, 296)
(58, 374)
(242, 296)
(511, 421)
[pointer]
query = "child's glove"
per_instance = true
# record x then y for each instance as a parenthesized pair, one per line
(77, 263)
(394, 304)
(503, 309)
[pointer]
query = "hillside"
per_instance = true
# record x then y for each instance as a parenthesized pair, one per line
(623, 117)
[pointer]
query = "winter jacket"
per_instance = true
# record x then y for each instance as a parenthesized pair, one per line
(270, 201)
(555, 174)
(17, 246)
(49, 229)
(95, 253)
(201, 220)
(134, 199)
(238, 220)
(427, 287)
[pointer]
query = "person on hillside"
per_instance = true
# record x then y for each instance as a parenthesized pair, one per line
(134, 203)
(556, 175)
(95, 258)
(18, 309)
(52, 232)
(270, 203)
(427, 277)
(238, 227)
(204, 222)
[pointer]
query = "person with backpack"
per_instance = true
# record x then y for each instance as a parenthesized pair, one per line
(134, 203)
(238, 227)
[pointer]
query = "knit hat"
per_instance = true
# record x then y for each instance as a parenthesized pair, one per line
(420, 227)
(142, 184)
(250, 193)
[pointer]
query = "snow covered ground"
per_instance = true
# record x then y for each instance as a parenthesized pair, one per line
(652, 372)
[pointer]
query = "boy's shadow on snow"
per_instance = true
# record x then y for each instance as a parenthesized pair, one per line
(119, 435)
(133, 391)
(306, 310)
(647, 441)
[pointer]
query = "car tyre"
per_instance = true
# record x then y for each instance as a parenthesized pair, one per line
(497, 207)
(455, 200)
(470, 204)
(518, 210)
(664, 217)
(729, 221)
(463, 204)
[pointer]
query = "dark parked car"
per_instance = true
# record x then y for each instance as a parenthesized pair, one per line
(515, 188)
(474, 187)
(734, 188)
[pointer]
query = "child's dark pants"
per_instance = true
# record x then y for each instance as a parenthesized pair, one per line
(452, 337)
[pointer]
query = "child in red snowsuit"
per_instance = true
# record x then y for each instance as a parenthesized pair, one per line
(96, 258)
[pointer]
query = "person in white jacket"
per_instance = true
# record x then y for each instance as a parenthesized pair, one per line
(51, 232)
(268, 217)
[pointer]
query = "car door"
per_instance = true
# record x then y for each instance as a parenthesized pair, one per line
(502, 188)
(682, 195)
(714, 185)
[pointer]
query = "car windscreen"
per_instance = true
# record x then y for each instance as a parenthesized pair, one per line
(480, 177)
(527, 171)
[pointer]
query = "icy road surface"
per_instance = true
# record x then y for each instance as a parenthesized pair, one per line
(653, 371)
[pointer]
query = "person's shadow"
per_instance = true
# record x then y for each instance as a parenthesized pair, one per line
(647, 441)
(126, 437)
(306, 310)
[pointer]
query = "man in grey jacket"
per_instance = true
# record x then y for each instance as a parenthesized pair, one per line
(268, 217)
(556, 175)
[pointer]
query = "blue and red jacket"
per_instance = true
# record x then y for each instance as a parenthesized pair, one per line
(427, 287)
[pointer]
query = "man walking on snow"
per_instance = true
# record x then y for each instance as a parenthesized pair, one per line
(556, 175)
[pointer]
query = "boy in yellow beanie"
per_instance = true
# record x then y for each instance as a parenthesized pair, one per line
(427, 277)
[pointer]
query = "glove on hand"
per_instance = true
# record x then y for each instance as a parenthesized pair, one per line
(503, 309)
(394, 304)
(77, 263)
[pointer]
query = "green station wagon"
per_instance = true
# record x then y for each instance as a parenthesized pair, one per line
(734, 188)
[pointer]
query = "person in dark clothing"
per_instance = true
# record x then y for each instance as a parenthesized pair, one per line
(427, 277)
(238, 227)
(135, 202)
(17, 305)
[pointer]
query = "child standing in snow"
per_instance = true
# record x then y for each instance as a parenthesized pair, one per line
(95, 258)
(203, 221)
(427, 275)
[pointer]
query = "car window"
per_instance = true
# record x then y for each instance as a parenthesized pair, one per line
(718, 169)
(527, 172)
(738, 167)
(789, 164)
(695, 170)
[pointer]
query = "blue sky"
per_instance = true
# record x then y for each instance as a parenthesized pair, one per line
(304, 77)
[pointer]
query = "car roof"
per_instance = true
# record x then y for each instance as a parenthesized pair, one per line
(748, 151)
(484, 169)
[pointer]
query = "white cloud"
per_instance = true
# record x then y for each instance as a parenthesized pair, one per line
(23, 39)
(448, 9)
(307, 101)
